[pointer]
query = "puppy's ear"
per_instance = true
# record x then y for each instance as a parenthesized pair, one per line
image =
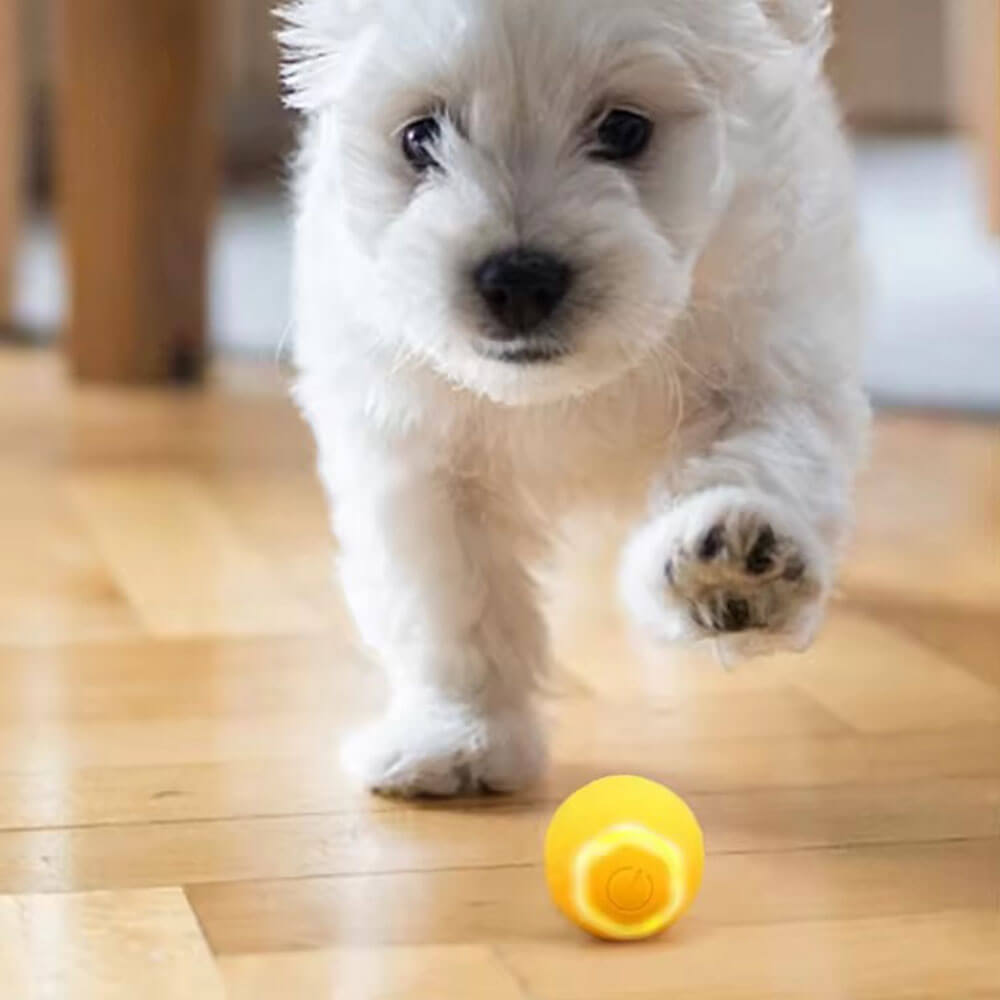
(805, 23)
(315, 36)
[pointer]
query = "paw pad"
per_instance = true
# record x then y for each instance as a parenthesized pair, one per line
(729, 565)
(761, 557)
(739, 575)
(734, 615)
(712, 544)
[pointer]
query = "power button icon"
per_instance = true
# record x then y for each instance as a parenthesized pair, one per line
(625, 879)
(630, 889)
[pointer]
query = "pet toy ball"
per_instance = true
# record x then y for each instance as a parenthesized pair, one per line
(624, 858)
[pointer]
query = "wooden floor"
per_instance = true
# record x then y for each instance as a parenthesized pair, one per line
(175, 669)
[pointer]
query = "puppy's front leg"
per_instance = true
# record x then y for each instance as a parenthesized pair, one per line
(743, 547)
(449, 612)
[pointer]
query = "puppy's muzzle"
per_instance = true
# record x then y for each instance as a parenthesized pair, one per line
(522, 288)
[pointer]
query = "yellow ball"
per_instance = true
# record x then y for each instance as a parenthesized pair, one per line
(624, 858)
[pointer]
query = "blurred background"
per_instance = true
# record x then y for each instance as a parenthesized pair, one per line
(919, 80)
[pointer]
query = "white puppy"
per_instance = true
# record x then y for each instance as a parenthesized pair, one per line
(554, 252)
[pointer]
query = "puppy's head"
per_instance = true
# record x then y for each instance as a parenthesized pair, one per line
(527, 185)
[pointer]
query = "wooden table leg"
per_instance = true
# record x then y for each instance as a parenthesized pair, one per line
(11, 122)
(975, 70)
(991, 110)
(136, 138)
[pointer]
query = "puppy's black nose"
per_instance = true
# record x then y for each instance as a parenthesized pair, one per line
(522, 288)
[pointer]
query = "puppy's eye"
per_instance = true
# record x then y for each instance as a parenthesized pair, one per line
(622, 135)
(419, 139)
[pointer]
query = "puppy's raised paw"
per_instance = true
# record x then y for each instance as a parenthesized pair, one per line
(732, 565)
(443, 750)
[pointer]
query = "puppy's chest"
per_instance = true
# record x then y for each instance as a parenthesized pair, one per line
(562, 458)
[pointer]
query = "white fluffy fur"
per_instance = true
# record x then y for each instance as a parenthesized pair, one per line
(713, 378)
